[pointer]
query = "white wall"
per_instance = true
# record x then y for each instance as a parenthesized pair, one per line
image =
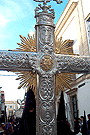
(84, 98)
(70, 32)
(86, 7)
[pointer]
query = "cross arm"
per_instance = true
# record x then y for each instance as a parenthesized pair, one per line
(18, 61)
(73, 63)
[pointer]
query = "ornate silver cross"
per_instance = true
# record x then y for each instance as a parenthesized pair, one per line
(46, 64)
(58, 1)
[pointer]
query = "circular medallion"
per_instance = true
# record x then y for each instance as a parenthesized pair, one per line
(46, 62)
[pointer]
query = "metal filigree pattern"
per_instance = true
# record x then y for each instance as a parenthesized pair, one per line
(46, 106)
(44, 9)
(46, 45)
(19, 61)
(42, 0)
(46, 114)
(58, 1)
(68, 63)
(43, 34)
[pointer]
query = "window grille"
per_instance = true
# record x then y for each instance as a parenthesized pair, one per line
(72, 111)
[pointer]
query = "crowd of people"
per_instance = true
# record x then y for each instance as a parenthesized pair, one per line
(26, 125)
(81, 125)
(10, 126)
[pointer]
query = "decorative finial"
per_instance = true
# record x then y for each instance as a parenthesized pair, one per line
(45, 1)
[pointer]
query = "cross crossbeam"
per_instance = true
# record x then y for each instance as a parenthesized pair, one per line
(18, 61)
(73, 63)
(27, 61)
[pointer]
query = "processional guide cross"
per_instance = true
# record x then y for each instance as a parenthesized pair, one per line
(46, 64)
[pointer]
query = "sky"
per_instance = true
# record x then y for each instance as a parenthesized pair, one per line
(17, 18)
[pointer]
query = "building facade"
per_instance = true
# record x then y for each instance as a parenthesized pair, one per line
(74, 24)
(11, 106)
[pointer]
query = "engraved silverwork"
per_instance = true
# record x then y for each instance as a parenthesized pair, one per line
(44, 63)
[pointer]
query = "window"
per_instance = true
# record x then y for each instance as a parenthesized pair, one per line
(73, 108)
(73, 105)
(88, 29)
(81, 85)
(10, 106)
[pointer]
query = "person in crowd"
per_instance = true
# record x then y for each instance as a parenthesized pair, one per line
(88, 125)
(1, 130)
(4, 128)
(82, 119)
(28, 120)
(76, 126)
(2, 118)
(27, 123)
(15, 124)
(13, 121)
(67, 122)
(69, 131)
(63, 126)
(84, 126)
(9, 129)
(9, 119)
(80, 125)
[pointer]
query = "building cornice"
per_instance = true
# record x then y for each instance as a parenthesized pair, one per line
(88, 16)
(71, 91)
(76, 82)
(80, 79)
(65, 18)
(10, 102)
